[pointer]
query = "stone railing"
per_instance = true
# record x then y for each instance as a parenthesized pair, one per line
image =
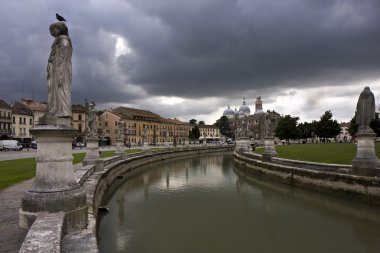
(329, 178)
(45, 235)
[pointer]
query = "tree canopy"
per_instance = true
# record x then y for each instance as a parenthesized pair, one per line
(287, 128)
(194, 133)
(326, 127)
(193, 121)
(224, 125)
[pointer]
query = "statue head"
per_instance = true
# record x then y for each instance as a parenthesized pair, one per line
(58, 28)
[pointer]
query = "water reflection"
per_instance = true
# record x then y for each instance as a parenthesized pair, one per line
(206, 205)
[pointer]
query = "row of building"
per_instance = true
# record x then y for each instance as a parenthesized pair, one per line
(17, 119)
(256, 121)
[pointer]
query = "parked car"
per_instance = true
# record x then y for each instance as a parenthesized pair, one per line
(10, 145)
(34, 145)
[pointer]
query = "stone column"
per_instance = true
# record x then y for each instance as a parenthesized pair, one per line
(55, 187)
(120, 149)
(270, 150)
(92, 154)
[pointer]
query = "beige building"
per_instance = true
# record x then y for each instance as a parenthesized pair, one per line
(5, 120)
(22, 122)
(209, 132)
(38, 109)
(158, 130)
(344, 135)
(79, 121)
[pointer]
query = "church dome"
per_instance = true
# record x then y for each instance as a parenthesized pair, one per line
(245, 108)
(228, 112)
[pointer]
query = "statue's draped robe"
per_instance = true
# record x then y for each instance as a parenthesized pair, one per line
(365, 109)
(59, 74)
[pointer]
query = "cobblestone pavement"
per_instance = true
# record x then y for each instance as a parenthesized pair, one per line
(11, 236)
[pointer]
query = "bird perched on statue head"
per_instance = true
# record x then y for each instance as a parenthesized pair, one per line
(59, 17)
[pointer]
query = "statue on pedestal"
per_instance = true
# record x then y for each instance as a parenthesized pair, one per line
(59, 73)
(120, 130)
(91, 122)
(267, 125)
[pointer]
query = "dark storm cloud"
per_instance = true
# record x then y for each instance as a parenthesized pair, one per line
(221, 46)
(191, 48)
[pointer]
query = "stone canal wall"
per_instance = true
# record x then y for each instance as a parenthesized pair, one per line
(328, 178)
(41, 238)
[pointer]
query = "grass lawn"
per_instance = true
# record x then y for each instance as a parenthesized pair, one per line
(15, 171)
(338, 153)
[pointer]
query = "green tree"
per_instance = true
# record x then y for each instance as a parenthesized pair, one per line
(326, 127)
(193, 121)
(375, 124)
(194, 133)
(224, 125)
(306, 130)
(287, 128)
(201, 122)
(353, 127)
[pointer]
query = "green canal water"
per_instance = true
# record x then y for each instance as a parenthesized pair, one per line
(205, 204)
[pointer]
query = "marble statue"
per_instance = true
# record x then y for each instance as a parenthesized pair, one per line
(91, 122)
(267, 125)
(145, 131)
(59, 73)
(365, 110)
(120, 130)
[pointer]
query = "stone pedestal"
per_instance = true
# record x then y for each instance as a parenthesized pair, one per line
(243, 145)
(270, 151)
(366, 162)
(55, 187)
(92, 154)
(145, 146)
(120, 148)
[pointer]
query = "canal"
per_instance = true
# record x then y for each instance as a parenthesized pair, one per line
(205, 204)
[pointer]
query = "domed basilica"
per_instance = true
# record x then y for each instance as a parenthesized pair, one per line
(255, 121)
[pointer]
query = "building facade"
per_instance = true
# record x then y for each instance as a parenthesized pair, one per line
(5, 121)
(22, 122)
(159, 130)
(253, 122)
(79, 121)
(38, 109)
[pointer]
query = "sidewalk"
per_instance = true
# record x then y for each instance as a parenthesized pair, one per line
(11, 236)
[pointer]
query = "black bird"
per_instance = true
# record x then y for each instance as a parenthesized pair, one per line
(59, 17)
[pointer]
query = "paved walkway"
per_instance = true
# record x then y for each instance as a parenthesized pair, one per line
(11, 236)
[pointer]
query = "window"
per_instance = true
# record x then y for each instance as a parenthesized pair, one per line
(80, 128)
(9, 114)
(30, 121)
(14, 120)
(24, 120)
(115, 123)
(100, 124)
(20, 121)
(79, 116)
(106, 124)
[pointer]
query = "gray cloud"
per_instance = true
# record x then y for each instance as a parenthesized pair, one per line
(192, 49)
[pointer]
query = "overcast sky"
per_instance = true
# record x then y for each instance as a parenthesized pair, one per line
(192, 58)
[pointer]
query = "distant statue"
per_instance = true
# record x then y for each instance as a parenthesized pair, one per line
(365, 110)
(120, 130)
(59, 73)
(91, 123)
(267, 125)
(145, 131)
